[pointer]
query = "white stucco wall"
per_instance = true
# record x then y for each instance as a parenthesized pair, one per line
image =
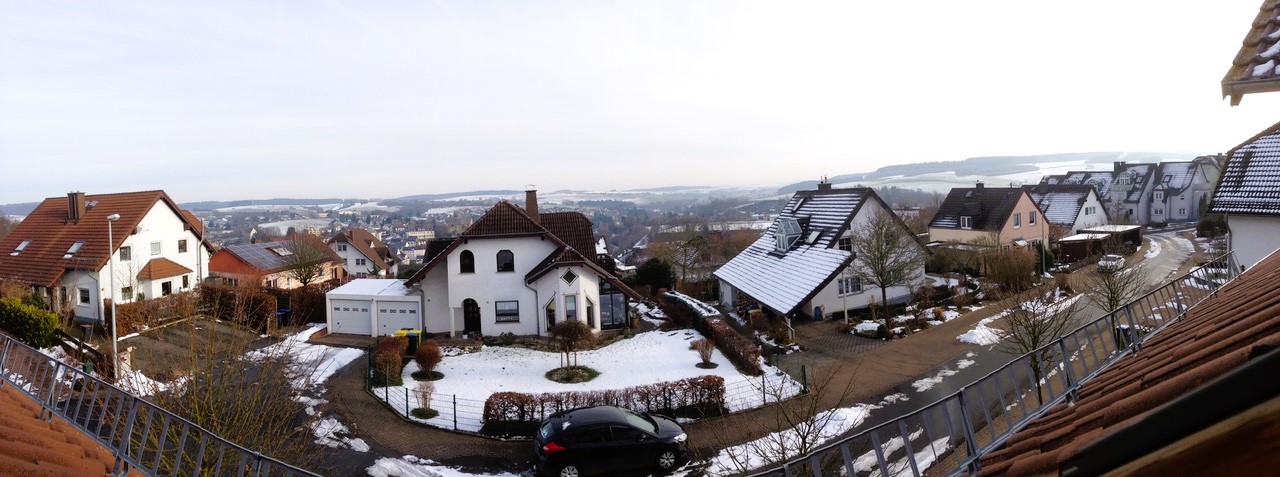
(553, 287)
(487, 285)
(160, 224)
(435, 300)
(829, 297)
(1099, 216)
(1253, 237)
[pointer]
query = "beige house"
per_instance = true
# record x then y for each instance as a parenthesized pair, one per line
(1004, 216)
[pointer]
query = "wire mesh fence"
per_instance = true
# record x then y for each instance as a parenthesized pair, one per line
(948, 437)
(143, 437)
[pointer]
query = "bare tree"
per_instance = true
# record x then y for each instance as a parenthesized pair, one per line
(792, 427)
(6, 225)
(887, 254)
(1110, 290)
(306, 258)
(1034, 320)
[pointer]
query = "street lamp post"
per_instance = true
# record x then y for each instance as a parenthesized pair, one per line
(111, 270)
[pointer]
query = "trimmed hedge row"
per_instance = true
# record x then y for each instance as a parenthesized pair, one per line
(742, 351)
(244, 306)
(32, 325)
(518, 414)
(388, 361)
(139, 315)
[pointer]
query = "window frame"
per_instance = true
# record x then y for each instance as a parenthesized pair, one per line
(360, 262)
(466, 262)
(966, 222)
(571, 305)
(510, 261)
(846, 286)
(1031, 218)
(182, 245)
(1017, 220)
(126, 293)
(506, 316)
(845, 243)
(83, 296)
(157, 248)
(125, 253)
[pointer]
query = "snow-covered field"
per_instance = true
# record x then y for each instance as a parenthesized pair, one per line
(646, 358)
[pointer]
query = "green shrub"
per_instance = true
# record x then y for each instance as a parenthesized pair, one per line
(32, 325)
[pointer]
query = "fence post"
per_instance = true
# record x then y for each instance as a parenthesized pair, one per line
(974, 461)
(764, 395)
(804, 379)
(455, 412)
(122, 451)
(406, 401)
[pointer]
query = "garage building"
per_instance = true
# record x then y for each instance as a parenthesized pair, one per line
(373, 307)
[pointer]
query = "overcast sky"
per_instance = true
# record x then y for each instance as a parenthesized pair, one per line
(253, 99)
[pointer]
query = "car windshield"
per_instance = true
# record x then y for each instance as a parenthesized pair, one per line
(640, 421)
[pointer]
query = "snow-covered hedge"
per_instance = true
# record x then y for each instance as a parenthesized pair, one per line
(702, 309)
(518, 414)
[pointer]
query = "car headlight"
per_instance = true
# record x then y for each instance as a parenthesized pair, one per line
(681, 437)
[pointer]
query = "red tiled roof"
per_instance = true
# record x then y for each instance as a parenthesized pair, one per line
(1256, 68)
(52, 233)
(30, 446)
(1219, 335)
(574, 229)
(158, 268)
(504, 218)
(369, 245)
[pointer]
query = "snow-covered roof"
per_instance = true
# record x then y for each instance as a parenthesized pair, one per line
(372, 287)
(1061, 203)
(1175, 176)
(1082, 237)
(1100, 180)
(1250, 182)
(781, 280)
(1111, 228)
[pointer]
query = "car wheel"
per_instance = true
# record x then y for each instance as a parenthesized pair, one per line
(570, 470)
(667, 460)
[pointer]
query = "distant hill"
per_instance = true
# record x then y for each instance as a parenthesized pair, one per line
(670, 189)
(988, 166)
(454, 195)
(22, 209)
(218, 204)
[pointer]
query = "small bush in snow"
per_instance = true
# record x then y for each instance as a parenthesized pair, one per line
(704, 347)
(428, 356)
(388, 361)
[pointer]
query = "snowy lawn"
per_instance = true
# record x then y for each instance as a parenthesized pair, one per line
(413, 466)
(646, 358)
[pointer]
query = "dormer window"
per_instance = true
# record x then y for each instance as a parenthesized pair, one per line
(22, 246)
(75, 247)
(281, 251)
(788, 233)
(966, 222)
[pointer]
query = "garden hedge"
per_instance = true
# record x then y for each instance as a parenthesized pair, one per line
(35, 326)
(388, 361)
(518, 414)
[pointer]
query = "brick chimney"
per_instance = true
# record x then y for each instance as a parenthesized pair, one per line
(531, 205)
(75, 206)
(823, 184)
(978, 186)
(1117, 166)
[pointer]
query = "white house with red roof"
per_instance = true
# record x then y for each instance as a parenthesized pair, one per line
(62, 250)
(515, 270)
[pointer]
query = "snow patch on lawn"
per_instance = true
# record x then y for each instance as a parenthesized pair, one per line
(771, 448)
(330, 432)
(414, 466)
(646, 358)
(926, 384)
(964, 363)
(1153, 250)
(981, 335)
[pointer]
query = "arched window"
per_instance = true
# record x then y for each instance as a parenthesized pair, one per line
(506, 261)
(467, 262)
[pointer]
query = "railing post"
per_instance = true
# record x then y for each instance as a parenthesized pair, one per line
(455, 412)
(804, 379)
(1066, 370)
(4, 356)
(975, 464)
(122, 451)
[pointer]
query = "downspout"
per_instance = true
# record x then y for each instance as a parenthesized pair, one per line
(537, 320)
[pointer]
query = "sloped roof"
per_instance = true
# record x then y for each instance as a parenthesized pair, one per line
(784, 281)
(159, 268)
(1256, 67)
(52, 234)
(1060, 203)
(989, 206)
(33, 446)
(265, 257)
(572, 233)
(1223, 333)
(369, 245)
(1100, 180)
(1250, 182)
(1175, 176)
(1139, 174)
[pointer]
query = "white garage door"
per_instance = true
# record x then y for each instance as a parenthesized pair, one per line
(351, 317)
(394, 315)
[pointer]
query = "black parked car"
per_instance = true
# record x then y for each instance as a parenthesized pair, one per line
(603, 439)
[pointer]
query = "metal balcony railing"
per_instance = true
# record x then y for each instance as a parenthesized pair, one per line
(141, 435)
(950, 436)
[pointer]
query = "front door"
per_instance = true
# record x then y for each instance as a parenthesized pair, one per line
(470, 316)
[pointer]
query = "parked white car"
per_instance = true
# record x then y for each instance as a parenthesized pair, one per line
(1110, 263)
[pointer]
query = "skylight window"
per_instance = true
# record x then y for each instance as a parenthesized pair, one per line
(22, 246)
(281, 251)
(75, 247)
